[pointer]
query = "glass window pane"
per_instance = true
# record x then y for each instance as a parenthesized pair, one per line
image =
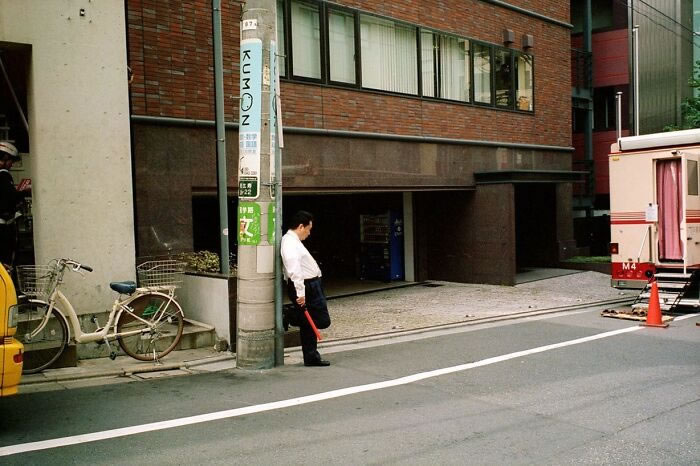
(504, 78)
(482, 73)
(306, 40)
(523, 83)
(280, 37)
(692, 177)
(389, 55)
(428, 63)
(454, 68)
(341, 37)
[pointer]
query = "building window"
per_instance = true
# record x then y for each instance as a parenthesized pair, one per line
(306, 40)
(389, 55)
(445, 66)
(503, 74)
(323, 42)
(341, 39)
(604, 109)
(482, 73)
(692, 177)
(428, 47)
(454, 68)
(523, 84)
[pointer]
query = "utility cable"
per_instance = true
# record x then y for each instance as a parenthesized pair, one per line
(675, 33)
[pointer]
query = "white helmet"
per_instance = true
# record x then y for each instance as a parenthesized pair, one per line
(7, 147)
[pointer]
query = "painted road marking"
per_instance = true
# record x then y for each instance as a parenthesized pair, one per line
(185, 421)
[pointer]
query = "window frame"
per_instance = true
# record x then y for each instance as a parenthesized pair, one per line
(326, 8)
(356, 44)
(517, 53)
(492, 101)
(416, 29)
(322, 41)
(437, 68)
(511, 56)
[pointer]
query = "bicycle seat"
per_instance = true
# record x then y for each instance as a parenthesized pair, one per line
(127, 287)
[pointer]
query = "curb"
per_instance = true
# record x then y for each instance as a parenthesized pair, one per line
(126, 372)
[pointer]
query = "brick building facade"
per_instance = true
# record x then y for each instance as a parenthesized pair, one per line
(484, 188)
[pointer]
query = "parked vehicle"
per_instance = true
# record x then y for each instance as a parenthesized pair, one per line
(147, 322)
(655, 208)
(11, 350)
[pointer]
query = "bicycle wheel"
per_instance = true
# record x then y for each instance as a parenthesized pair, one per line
(44, 348)
(156, 338)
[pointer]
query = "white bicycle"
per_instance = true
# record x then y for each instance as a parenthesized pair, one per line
(147, 322)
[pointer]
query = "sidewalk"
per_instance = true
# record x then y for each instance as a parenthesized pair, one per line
(378, 314)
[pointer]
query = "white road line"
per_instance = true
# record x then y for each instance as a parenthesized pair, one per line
(185, 421)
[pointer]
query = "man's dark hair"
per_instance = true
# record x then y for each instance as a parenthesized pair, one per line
(300, 218)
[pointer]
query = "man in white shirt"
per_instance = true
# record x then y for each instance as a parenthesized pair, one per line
(304, 287)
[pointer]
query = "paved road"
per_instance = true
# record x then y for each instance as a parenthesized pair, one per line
(618, 397)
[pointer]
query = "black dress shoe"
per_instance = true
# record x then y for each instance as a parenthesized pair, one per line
(317, 362)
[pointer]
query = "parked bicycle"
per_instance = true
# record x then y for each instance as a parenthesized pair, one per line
(146, 319)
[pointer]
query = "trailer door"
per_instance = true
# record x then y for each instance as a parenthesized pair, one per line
(669, 195)
(692, 209)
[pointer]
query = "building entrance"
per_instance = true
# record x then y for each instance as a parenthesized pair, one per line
(535, 225)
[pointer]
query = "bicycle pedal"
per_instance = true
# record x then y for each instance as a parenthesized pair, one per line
(112, 355)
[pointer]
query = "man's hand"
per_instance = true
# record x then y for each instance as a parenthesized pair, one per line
(301, 301)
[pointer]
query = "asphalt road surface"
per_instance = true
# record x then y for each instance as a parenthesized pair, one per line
(569, 389)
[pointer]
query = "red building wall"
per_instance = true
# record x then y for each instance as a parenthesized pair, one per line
(170, 55)
(610, 68)
(610, 57)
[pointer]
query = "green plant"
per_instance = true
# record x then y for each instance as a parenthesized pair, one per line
(201, 261)
(690, 107)
(588, 259)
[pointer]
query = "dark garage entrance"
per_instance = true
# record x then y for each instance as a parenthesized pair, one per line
(335, 241)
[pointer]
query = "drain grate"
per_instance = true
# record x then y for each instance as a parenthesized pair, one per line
(432, 285)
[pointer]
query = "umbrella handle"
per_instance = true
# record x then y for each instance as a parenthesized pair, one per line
(311, 322)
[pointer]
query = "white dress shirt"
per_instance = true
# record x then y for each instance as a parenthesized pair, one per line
(297, 262)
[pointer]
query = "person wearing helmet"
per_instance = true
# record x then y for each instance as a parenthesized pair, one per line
(10, 198)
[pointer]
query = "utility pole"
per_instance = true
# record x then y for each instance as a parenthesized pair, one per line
(259, 324)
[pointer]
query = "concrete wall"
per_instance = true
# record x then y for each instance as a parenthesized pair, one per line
(206, 299)
(79, 137)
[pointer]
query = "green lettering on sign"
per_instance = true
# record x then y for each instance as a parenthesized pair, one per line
(248, 223)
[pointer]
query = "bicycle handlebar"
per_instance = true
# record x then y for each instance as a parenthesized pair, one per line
(76, 265)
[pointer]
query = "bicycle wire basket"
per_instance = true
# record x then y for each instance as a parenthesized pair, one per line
(37, 280)
(161, 273)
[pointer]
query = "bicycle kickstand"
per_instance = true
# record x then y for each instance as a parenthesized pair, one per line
(112, 354)
(156, 361)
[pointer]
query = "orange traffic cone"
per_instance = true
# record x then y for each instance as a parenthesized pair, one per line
(654, 318)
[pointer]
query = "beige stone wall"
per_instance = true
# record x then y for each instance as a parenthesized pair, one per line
(79, 137)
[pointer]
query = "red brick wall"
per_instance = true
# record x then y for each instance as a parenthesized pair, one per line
(170, 54)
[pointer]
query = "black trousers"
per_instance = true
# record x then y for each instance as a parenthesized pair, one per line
(318, 309)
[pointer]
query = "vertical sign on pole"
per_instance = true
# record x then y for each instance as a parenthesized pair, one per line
(273, 114)
(250, 113)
